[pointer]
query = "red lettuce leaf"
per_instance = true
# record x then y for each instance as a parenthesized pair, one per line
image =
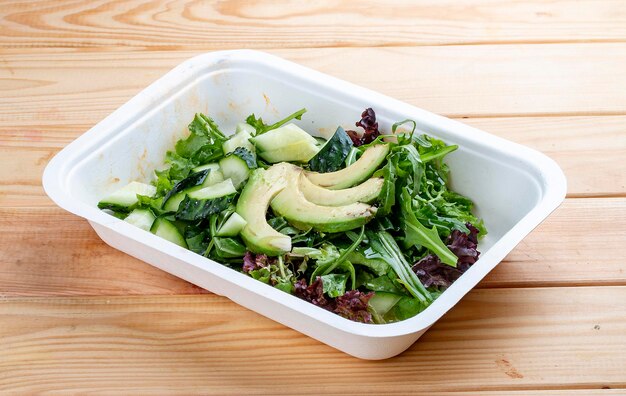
(370, 126)
(432, 272)
(253, 262)
(314, 293)
(353, 305)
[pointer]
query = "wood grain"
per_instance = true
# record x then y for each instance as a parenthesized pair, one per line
(329, 23)
(501, 339)
(590, 150)
(57, 87)
(580, 244)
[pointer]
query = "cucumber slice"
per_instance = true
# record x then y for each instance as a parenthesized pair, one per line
(232, 226)
(242, 126)
(213, 166)
(142, 218)
(382, 302)
(215, 191)
(167, 230)
(214, 176)
(300, 151)
(283, 136)
(239, 139)
(172, 204)
(236, 169)
(126, 197)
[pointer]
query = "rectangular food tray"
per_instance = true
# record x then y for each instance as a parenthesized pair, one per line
(514, 187)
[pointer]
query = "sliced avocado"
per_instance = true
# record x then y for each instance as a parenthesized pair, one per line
(293, 206)
(262, 187)
(301, 151)
(353, 174)
(365, 192)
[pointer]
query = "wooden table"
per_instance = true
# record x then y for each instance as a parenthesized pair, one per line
(77, 316)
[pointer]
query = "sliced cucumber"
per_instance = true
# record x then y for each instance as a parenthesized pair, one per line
(300, 151)
(280, 137)
(239, 139)
(213, 177)
(215, 191)
(126, 197)
(242, 126)
(382, 302)
(212, 166)
(142, 218)
(172, 204)
(215, 174)
(167, 230)
(236, 169)
(232, 226)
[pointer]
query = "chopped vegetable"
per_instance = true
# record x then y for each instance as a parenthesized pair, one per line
(362, 227)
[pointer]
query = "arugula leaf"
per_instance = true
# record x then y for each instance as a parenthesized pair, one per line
(203, 125)
(431, 148)
(417, 234)
(325, 268)
(383, 284)
(334, 285)
(245, 155)
(194, 179)
(378, 267)
(333, 154)
(198, 209)
(261, 127)
(383, 246)
(406, 308)
(228, 247)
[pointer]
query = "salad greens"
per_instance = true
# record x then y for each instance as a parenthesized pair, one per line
(373, 250)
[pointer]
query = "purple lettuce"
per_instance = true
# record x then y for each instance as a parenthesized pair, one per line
(432, 272)
(351, 305)
(314, 293)
(253, 262)
(370, 126)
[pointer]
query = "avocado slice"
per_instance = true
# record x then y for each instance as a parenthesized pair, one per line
(252, 205)
(291, 204)
(365, 192)
(353, 174)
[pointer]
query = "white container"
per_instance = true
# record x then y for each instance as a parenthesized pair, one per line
(514, 187)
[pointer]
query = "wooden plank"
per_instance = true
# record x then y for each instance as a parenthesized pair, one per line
(581, 243)
(589, 149)
(82, 87)
(494, 340)
(51, 252)
(237, 24)
(47, 252)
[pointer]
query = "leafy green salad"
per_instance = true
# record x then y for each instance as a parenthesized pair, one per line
(363, 224)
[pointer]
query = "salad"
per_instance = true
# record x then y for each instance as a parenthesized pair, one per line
(363, 224)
